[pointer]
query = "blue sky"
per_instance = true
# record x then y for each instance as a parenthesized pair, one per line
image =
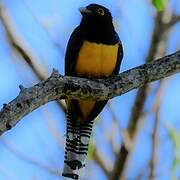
(45, 27)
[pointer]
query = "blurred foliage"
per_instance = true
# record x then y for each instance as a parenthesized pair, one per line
(160, 4)
(91, 149)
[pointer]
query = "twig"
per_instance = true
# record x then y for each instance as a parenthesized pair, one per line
(99, 159)
(52, 127)
(59, 87)
(124, 135)
(175, 19)
(155, 109)
(97, 155)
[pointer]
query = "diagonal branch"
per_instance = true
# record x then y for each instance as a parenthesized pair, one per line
(99, 158)
(175, 19)
(154, 135)
(59, 87)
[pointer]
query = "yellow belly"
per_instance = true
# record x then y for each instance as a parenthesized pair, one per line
(95, 60)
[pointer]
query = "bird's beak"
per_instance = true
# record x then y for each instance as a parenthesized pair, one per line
(84, 10)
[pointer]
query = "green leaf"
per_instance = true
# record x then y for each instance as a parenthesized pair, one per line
(160, 4)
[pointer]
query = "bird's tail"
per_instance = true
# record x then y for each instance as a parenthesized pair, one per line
(77, 141)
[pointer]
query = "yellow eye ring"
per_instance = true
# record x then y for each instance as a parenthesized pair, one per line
(100, 11)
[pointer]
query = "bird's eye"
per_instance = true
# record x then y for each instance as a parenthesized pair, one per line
(100, 11)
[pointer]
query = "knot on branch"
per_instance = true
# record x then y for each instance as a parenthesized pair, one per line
(55, 73)
(22, 88)
(6, 106)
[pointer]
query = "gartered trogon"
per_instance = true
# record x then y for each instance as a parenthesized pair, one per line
(94, 51)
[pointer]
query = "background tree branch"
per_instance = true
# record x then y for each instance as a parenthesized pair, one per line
(164, 20)
(59, 87)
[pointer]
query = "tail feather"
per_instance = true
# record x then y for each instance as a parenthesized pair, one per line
(77, 141)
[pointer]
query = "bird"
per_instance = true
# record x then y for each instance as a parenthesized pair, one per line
(94, 51)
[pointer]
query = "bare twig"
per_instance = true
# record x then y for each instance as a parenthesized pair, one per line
(97, 155)
(155, 109)
(53, 128)
(100, 160)
(58, 87)
(174, 20)
(124, 135)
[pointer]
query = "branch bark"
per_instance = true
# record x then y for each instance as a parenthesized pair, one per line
(60, 87)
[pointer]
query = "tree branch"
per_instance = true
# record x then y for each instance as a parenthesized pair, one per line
(175, 19)
(154, 135)
(99, 158)
(59, 87)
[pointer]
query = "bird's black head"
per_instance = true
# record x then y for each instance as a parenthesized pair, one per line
(96, 23)
(96, 12)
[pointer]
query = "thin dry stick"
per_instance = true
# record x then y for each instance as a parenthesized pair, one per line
(99, 158)
(174, 20)
(155, 109)
(122, 132)
(103, 159)
(52, 127)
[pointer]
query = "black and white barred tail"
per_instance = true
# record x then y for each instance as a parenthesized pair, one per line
(77, 141)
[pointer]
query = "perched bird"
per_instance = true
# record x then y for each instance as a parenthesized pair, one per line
(94, 51)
